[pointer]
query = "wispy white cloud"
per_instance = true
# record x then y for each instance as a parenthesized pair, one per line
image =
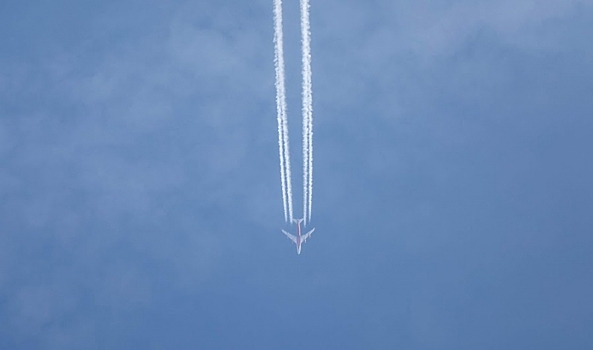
(386, 55)
(113, 137)
(116, 148)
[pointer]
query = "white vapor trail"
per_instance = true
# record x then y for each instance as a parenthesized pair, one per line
(283, 144)
(287, 166)
(307, 111)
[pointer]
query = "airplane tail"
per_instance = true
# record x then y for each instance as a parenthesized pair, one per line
(297, 221)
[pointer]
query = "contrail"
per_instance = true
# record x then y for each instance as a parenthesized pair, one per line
(287, 166)
(307, 111)
(283, 144)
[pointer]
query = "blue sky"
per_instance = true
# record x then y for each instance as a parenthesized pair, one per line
(139, 177)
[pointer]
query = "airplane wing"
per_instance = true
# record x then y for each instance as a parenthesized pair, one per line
(292, 237)
(307, 235)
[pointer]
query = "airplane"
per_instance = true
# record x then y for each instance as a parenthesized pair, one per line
(298, 239)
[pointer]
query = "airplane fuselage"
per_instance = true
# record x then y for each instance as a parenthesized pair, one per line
(299, 242)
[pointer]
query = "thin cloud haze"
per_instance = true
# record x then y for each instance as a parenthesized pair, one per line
(141, 205)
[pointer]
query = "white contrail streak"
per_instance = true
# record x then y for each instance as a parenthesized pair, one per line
(283, 144)
(287, 167)
(307, 111)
